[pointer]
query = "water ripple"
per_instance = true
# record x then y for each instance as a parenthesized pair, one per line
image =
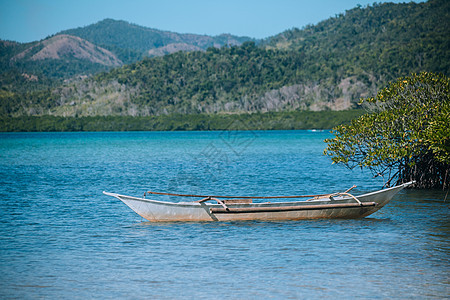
(61, 238)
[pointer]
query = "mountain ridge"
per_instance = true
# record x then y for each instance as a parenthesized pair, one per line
(118, 34)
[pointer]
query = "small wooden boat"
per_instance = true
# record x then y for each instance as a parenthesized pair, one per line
(326, 206)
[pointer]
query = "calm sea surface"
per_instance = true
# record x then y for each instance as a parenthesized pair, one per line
(62, 238)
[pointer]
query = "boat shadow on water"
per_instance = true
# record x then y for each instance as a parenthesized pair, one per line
(258, 223)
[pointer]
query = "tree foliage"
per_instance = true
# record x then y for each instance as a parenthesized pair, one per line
(405, 135)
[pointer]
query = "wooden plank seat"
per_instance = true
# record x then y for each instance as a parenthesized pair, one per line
(238, 201)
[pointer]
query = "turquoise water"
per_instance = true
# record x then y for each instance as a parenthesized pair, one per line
(61, 238)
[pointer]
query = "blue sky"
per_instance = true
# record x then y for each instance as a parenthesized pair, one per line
(31, 20)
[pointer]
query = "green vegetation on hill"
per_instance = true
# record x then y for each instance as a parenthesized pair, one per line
(23, 77)
(209, 81)
(384, 40)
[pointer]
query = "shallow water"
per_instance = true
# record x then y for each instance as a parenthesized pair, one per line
(62, 238)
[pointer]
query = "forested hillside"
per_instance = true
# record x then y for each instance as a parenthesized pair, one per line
(47, 63)
(388, 40)
(328, 66)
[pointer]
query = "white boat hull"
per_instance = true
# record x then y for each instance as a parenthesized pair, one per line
(343, 207)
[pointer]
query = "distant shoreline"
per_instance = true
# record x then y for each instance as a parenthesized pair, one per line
(295, 120)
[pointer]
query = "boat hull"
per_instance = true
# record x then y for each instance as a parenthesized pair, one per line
(338, 208)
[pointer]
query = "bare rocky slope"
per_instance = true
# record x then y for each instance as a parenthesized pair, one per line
(65, 46)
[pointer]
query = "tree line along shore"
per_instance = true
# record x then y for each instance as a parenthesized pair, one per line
(295, 120)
